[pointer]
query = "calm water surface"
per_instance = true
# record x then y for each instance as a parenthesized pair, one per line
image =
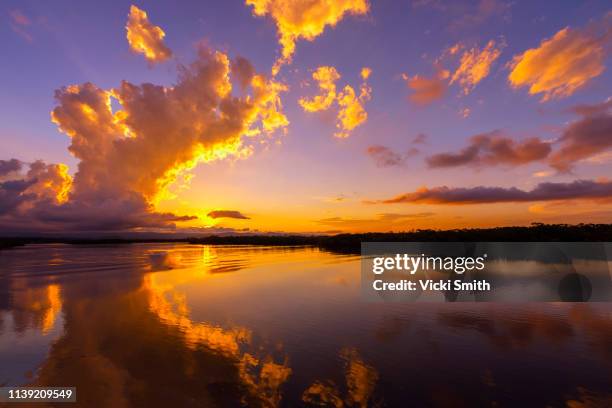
(148, 325)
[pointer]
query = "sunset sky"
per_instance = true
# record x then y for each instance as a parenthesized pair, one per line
(303, 116)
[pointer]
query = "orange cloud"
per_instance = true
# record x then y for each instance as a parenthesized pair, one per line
(200, 115)
(304, 19)
(146, 38)
(52, 181)
(563, 64)
(19, 23)
(243, 71)
(475, 65)
(126, 162)
(49, 183)
(326, 78)
(427, 90)
(351, 112)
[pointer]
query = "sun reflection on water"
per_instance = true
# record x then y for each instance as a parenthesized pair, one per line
(169, 324)
(262, 376)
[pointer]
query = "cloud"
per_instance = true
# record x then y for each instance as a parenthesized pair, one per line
(543, 174)
(47, 183)
(9, 166)
(474, 66)
(19, 18)
(12, 194)
(564, 63)
(587, 137)
(483, 11)
(304, 19)
(19, 23)
(466, 14)
(426, 90)
(326, 78)
(457, 64)
(576, 190)
(493, 149)
(227, 214)
(128, 212)
(51, 181)
(420, 138)
(39, 201)
(146, 38)
(599, 158)
(352, 112)
(386, 157)
(594, 109)
(127, 150)
(243, 71)
(351, 107)
(121, 137)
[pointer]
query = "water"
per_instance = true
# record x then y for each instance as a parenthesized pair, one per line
(174, 325)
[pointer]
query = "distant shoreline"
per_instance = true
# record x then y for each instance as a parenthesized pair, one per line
(351, 243)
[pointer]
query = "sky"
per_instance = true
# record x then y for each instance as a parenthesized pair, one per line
(303, 117)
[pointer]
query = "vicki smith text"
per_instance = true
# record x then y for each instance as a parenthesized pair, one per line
(432, 285)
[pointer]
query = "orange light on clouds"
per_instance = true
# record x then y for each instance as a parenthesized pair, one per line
(560, 65)
(304, 19)
(146, 38)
